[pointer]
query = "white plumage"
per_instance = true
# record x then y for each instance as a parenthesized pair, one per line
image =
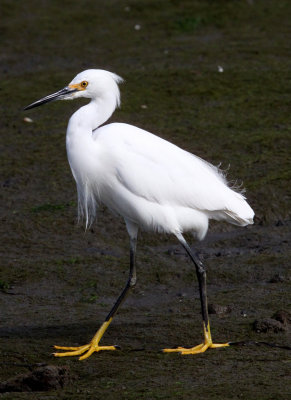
(153, 184)
(149, 181)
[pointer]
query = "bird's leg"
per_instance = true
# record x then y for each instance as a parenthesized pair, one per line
(93, 346)
(201, 275)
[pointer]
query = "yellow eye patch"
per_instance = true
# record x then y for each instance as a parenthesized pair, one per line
(80, 86)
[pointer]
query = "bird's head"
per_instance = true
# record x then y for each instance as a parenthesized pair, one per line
(92, 84)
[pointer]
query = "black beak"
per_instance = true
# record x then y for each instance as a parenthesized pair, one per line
(61, 94)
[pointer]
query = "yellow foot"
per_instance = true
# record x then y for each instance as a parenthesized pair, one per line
(197, 349)
(208, 344)
(88, 349)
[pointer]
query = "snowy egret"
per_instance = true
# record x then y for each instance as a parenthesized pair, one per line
(153, 184)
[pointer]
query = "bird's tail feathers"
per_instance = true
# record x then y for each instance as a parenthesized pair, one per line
(239, 212)
(235, 219)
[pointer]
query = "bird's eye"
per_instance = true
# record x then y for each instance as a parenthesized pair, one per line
(84, 84)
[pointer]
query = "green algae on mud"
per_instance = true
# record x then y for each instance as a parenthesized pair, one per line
(57, 282)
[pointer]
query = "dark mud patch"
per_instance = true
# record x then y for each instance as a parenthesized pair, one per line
(162, 311)
(280, 322)
(283, 316)
(269, 325)
(41, 379)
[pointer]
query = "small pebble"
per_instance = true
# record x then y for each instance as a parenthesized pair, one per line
(28, 120)
(217, 309)
(137, 27)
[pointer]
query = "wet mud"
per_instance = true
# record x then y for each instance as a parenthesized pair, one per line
(212, 77)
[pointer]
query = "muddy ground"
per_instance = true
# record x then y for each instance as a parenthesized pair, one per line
(210, 76)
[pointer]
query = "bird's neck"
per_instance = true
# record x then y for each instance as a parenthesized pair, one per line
(94, 114)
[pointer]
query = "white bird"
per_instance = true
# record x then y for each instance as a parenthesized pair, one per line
(153, 184)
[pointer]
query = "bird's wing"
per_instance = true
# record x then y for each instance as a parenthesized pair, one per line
(160, 172)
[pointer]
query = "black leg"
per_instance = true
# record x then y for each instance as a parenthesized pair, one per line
(130, 283)
(201, 275)
(93, 346)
